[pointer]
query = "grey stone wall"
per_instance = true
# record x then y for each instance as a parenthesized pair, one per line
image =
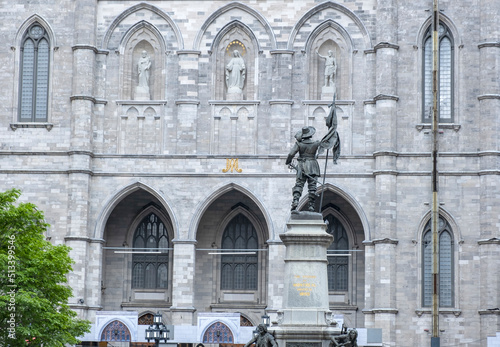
(102, 157)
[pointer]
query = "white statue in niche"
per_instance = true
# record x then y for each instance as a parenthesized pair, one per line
(235, 74)
(330, 68)
(143, 67)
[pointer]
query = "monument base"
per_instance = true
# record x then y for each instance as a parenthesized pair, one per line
(305, 319)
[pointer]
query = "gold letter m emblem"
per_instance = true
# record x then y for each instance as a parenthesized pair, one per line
(232, 164)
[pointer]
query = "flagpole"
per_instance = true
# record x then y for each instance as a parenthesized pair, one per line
(324, 178)
(435, 340)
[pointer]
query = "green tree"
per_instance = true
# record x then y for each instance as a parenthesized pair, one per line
(33, 283)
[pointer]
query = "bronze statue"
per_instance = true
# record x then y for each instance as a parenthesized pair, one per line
(348, 340)
(307, 165)
(263, 339)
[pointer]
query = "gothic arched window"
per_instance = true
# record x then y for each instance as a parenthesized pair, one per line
(34, 75)
(445, 96)
(150, 270)
(218, 333)
(338, 265)
(445, 265)
(239, 270)
(115, 331)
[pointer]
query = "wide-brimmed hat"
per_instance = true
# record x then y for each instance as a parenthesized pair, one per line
(305, 133)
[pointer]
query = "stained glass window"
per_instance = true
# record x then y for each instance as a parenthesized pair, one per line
(239, 271)
(115, 331)
(146, 319)
(445, 96)
(34, 75)
(445, 265)
(218, 333)
(150, 270)
(338, 265)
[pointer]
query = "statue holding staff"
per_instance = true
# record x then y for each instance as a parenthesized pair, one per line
(307, 164)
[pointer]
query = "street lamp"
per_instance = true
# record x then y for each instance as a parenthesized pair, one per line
(158, 331)
(266, 320)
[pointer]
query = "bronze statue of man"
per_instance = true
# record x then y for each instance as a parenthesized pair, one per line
(307, 166)
(346, 340)
(263, 339)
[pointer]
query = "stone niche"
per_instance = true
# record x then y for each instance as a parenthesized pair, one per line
(234, 38)
(142, 43)
(330, 38)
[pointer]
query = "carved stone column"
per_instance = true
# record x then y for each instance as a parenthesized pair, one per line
(384, 236)
(489, 146)
(83, 101)
(183, 282)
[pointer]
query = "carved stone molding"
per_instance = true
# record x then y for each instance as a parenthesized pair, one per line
(15, 126)
(492, 241)
(494, 44)
(381, 45)
(386, 97)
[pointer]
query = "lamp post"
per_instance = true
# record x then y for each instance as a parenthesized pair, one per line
(266, 320)
(158, 331)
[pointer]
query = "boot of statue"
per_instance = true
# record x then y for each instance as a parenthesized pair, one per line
(295, 201)
(312, 202)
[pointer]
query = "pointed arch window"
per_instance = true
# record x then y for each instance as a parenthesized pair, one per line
(338, 265)
(149, 269)
(115, 331)
(445, 76)
(445, 236)
(239, 271)
(218, 333)
(34, 75)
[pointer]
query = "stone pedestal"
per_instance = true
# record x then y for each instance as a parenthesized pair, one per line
(328, 91)
(234, 94)
(142, 93)
(305, 318)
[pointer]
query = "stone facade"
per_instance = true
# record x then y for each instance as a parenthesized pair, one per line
(104, 157)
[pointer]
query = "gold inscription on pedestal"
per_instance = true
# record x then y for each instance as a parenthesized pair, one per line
(303, 284)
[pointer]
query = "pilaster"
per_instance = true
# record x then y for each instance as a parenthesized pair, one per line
(183, 281)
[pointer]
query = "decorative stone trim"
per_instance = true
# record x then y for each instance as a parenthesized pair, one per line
(182, 309)
(381, 241)
(385, 172)
(490, 311)
(422, 311)
(328, 102)
(385, 154)
(281, 51)
(280, 102)
(48, 126)
(187, 51)
(488, 96)
(187, 102)
(140, 102)
(184, 242)
(428, 126)
(380, 310)
(492, 241)
(234, 102)
(495, 44)
(381, 45)
(386, 97)
(88, 98)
